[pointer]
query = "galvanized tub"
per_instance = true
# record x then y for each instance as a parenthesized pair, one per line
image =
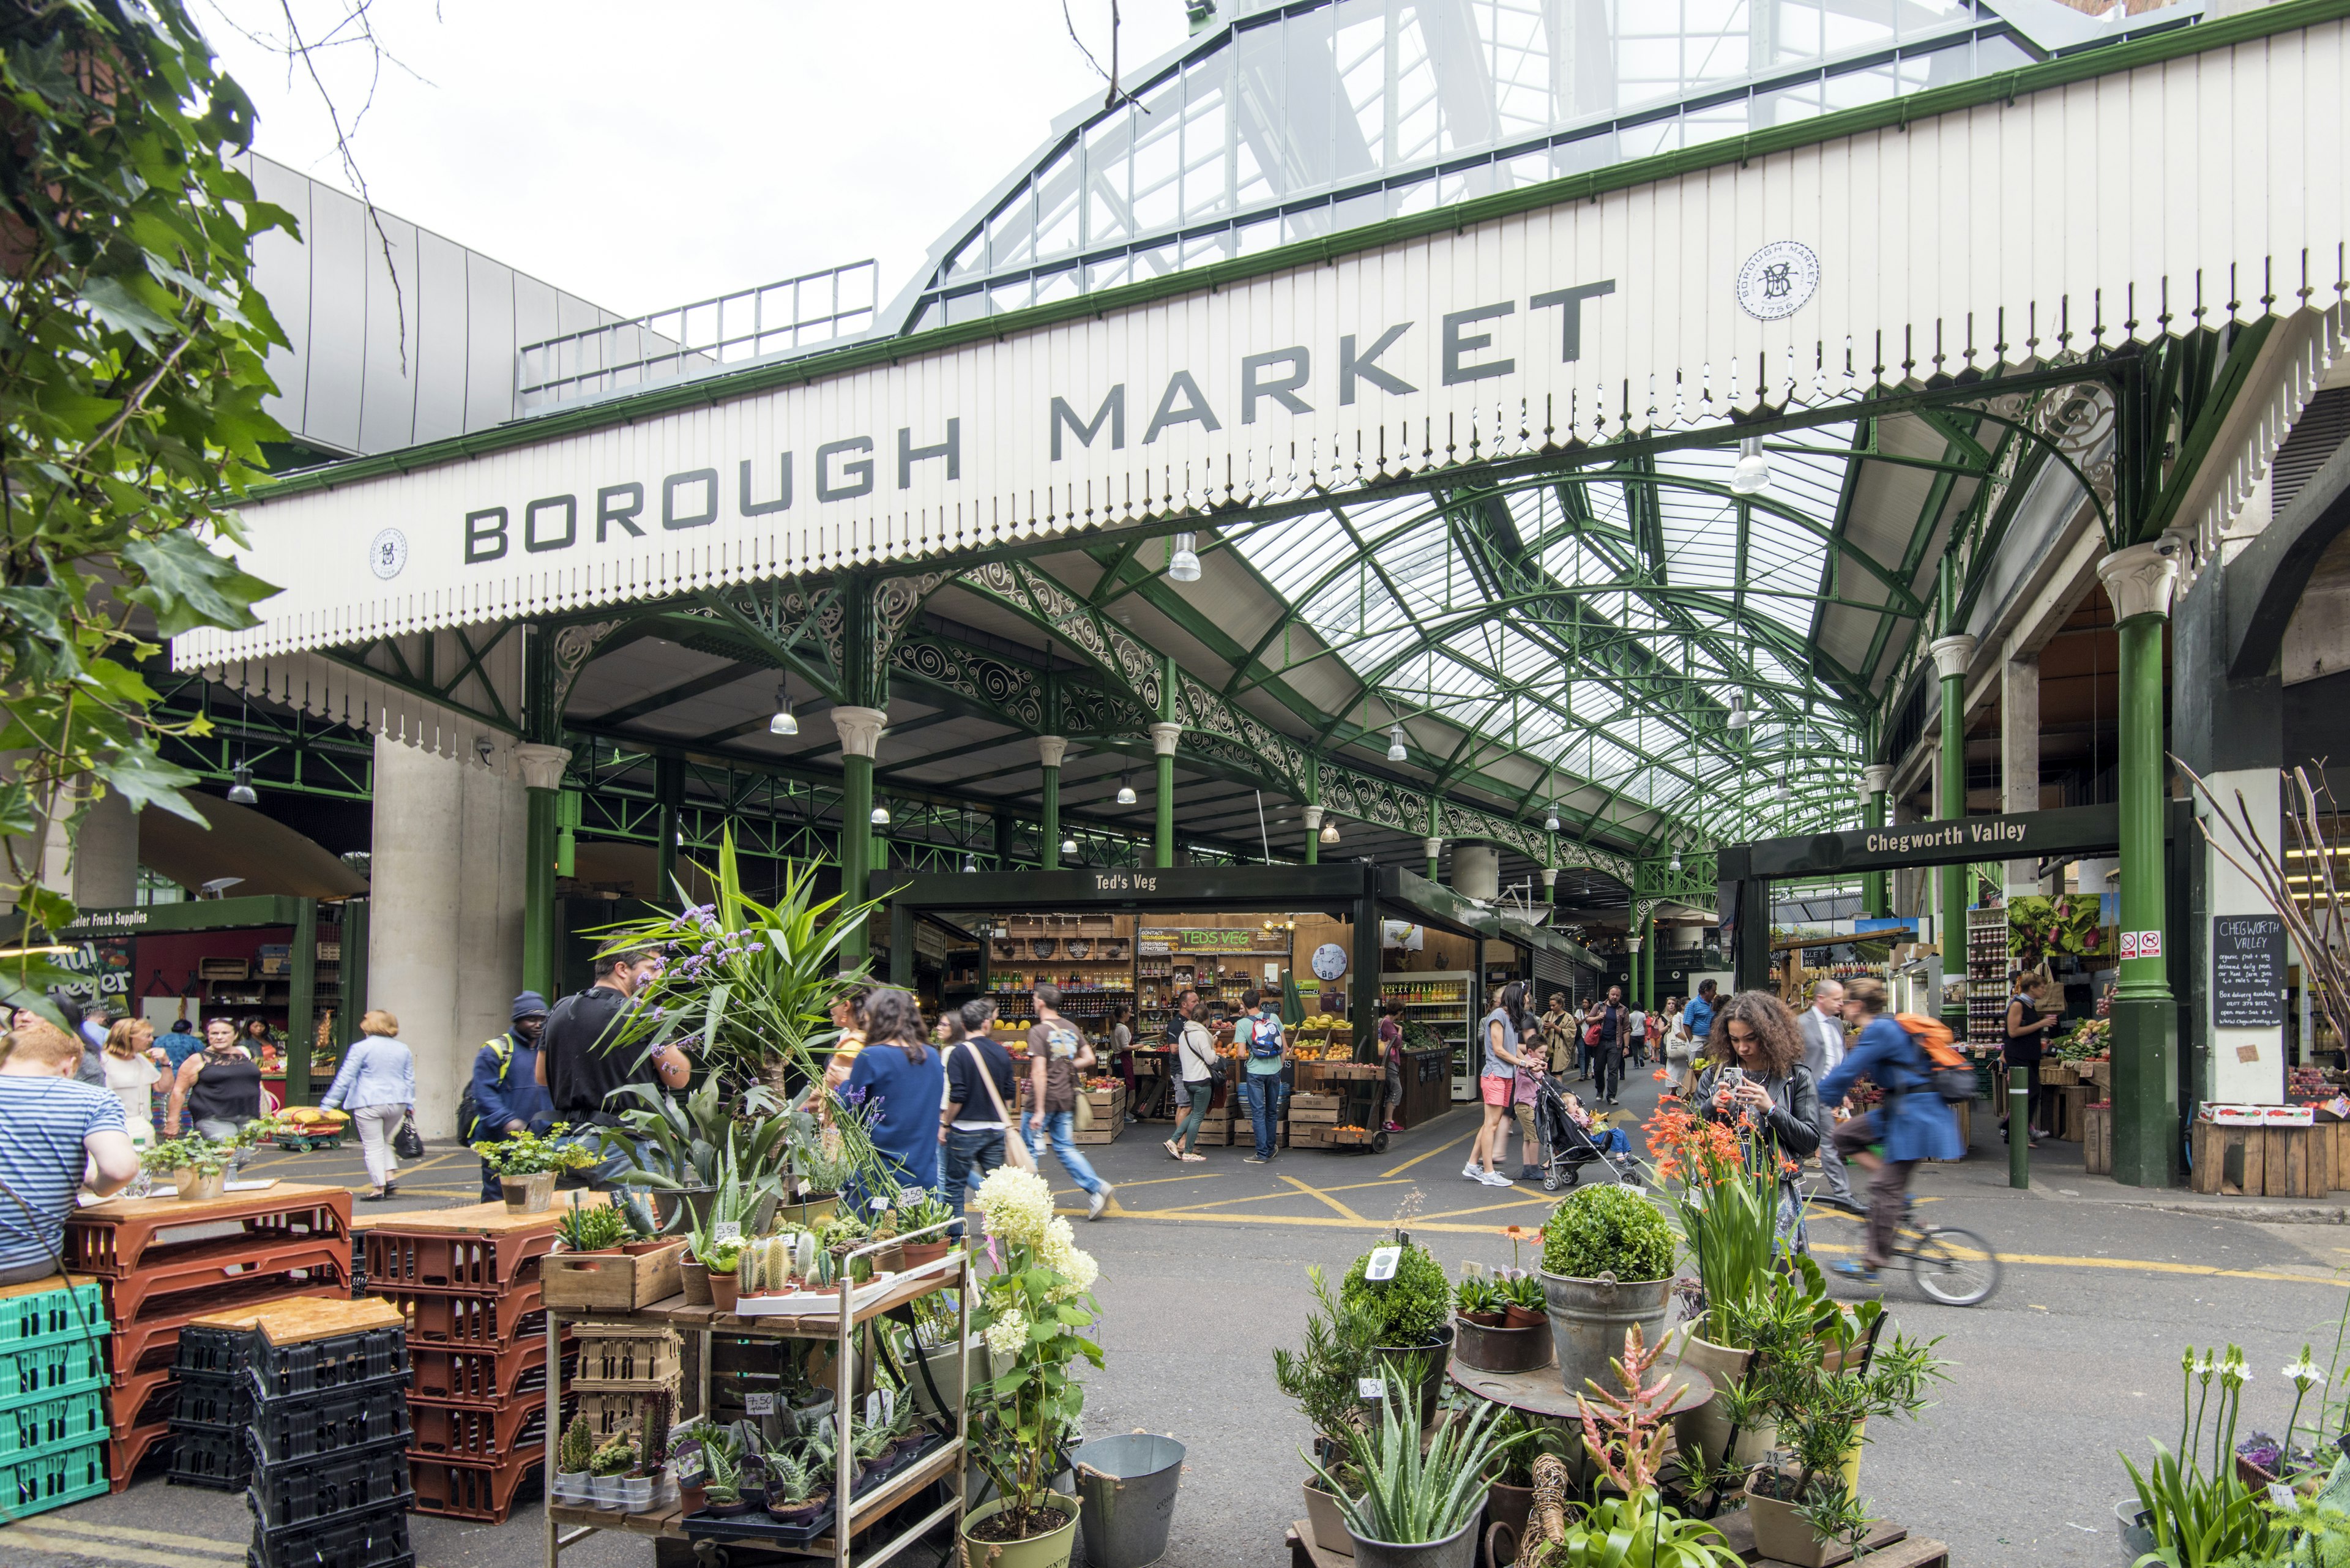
(1588, 1318)
(1126, 1494)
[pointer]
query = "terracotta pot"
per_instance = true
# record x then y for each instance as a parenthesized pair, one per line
(1524, 1317)
(530, 1194)
(694, 1279)
(1508, 1505)
(655, 1244)
(918, 1253)
(723, 1291)
(1481, 1319)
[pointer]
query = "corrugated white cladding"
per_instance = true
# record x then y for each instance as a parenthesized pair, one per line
(2177, 194)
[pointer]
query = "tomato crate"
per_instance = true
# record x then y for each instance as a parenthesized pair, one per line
(38, 1315)
(41, 1425)
(306, 1426)
(472, 1321)
(36, 1482)
(477, 1432)
(315, 1489)
(167, 1273)
(142, 1399)
(484, 1377)
(127, 1450)
(419, 1260)
(45, 1371)
(457, 1488)
(364, 1538)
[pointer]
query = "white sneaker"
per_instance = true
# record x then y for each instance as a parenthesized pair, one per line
(1495, 1178)
(1472, 1173)
(1100, 1202)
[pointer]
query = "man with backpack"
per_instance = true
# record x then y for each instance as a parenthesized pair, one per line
(1913, 1124)
(1259, 1032)
(503, 1096)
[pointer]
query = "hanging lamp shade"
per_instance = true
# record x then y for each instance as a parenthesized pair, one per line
(1396, 751)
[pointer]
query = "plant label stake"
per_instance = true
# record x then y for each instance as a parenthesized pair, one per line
(758, 1404)
(1382, 1265)
(725, 1230)
(879, 1407)
(1370, 1389)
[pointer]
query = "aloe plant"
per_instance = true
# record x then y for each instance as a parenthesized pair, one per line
(1412, 1496)
(722, 1474)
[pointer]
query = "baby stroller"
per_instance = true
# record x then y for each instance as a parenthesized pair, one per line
(1567, 1148)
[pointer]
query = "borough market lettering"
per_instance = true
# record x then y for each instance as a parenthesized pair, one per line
(1468, 348)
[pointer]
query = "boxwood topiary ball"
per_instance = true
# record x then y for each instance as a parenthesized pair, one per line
(1413, 1306)
(1608, 1230)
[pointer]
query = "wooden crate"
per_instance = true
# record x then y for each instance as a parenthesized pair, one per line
(2300, 1162)
(2097, 1139)
(612, 1282)
(2071, 1101)
(2229, 1160)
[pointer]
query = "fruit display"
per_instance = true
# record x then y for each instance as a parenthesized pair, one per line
(311, 1118)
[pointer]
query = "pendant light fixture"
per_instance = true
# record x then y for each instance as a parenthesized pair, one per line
(1550, 823)
(1126, 789)
(1676, 860)
(785, 722)
(1738, 719)
(1068, 846)
(1183, 564)
(880, 817)
(241, 792)
(1329, 834)
(1752, 475)
(1396, 751)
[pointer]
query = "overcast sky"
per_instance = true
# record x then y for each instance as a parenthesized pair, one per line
(643, 156)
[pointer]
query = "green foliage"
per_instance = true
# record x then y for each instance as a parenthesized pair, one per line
(1476, 1293)
(1410, 1494)
(531, 1154)
(577, 1448)
(1639, 1532)
(2201, 1512)
(581, 1229)
(617, 1457)
(1525, 1291)
(1412, 1307)
(720, 1257)
(1608, 1230)
(194, 1151)
(1325, 1377)
(1528, 1438)
(2037, 927)
(131, 380)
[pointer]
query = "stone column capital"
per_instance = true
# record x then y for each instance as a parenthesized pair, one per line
(2140, 579)
(860, 729)
(1051, 750)
(1632, 943)
(1550, 875)
(1434, 847)
(1313, 819)
(1951, 655)
(541, 766)
(1877, 778)
(1163, 737)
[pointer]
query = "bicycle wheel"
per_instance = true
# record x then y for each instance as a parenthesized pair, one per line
(1956, 1268)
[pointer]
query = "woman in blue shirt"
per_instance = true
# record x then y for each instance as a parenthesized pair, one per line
(377, 1087)
(896, 1086)
(1913, 1124)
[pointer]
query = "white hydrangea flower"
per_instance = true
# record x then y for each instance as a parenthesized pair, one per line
(1018, 1204)
(1054, 1247)
(1009, 1333)
(1080, 1271)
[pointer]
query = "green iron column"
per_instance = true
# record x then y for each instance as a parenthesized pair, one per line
(542, 937)
(1951, 655)
(2139, 581)
(1050, 751)
(1876, 789)
(1163, 737)
(860, 737)
(1313, 836)
(668, 800)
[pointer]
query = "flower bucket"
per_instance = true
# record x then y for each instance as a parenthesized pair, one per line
(1126, 1488)
(1458, 1550)
(194, 1188)
(1588, 1318)
(693, 1278)
(605, 1490)
(1050, 1549)
(635, 1493)
(574, 1486)
(529, 1194)
(2136, 1534)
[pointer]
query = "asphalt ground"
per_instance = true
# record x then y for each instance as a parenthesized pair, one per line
(1203, 1274)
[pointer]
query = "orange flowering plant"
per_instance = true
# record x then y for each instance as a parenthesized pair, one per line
(1726, 1209)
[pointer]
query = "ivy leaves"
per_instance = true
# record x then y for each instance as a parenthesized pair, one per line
(133, 381)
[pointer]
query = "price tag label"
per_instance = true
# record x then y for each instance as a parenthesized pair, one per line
(688, 1467)
(1370, 1389)
(726, 1231)
(880, 1202)
(758, 1404)
(880, 1407)
(1382, 1265)
(2280, 1495)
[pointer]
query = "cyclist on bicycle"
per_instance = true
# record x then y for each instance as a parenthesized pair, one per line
(1913, 1124)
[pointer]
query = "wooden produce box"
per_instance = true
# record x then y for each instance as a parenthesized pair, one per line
(612, 1282)
(1305, 1102)
(1311, 1118)
(2241, 1161)
(2070, 1101)
(2097, 1139)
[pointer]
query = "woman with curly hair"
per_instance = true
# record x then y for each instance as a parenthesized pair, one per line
(1753, 1074)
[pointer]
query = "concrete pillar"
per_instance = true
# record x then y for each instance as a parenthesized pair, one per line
(1477, 871)
(1951, 655)
(1050, 751)
(2139, 581)
(445, 939)
(106, 855)
(2019, 756)
(860, 737)
(1313, 836)
(1163, 737)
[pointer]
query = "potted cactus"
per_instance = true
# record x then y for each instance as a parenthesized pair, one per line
(723, 1484)
(772, 1265)
(610, 1463)
(645, 1484)
(573, 1452)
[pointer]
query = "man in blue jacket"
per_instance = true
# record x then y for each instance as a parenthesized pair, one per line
(1913, 1124)
(506, 1096)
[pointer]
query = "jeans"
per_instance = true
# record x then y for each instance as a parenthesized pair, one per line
(493, 1189)
(1607, 1071)
(969, 1155)
(1187, 1131)
(1395, 1090)
(1060, 1127)
(1886, 1185)
(1262, 1091)
(376, 1124)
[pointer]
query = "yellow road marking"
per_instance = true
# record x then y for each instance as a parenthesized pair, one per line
(1440, 1148)
(1489, 1207)
(1163, 1180)
(31, 1539)
(1326, 1198)
(146, 1537)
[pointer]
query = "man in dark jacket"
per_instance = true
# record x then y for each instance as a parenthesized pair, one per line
(506, 1096)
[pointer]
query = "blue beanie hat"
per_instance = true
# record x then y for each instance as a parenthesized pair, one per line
(529, 1004)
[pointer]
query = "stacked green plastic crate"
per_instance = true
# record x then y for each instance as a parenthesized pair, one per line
(53, 1388)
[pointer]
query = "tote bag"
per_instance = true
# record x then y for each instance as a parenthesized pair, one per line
(1016, 1147)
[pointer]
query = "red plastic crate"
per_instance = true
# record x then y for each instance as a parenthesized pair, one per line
(483, 1433)
(119, 1245)
(422, 1261)
(134, 1396)
(154, 1341)
(455, 1488)
(166, 1273)
(126, 1451)
(471, 1320)
(482, 1376)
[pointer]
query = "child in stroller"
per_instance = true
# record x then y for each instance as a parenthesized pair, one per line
(1571, 1141)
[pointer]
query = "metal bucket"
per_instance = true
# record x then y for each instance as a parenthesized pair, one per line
(1587, 1319)
(1126, 1491)
(1458, 1550)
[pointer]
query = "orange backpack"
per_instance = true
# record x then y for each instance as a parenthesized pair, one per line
(1947, 1072)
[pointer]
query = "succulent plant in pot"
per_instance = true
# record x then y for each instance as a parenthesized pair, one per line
(1325, 1378)
(795, 1489)
(723, 1483)
(574, 1452)
(1414, 1502)
(1478, 1299)
(612, 1461)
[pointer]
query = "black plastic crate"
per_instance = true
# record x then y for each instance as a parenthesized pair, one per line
(212, 1399)
(316, 1365)
(212, 1351)
(369, 1538)
(314, 1489)
(214, 1458)
(309, 1426)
